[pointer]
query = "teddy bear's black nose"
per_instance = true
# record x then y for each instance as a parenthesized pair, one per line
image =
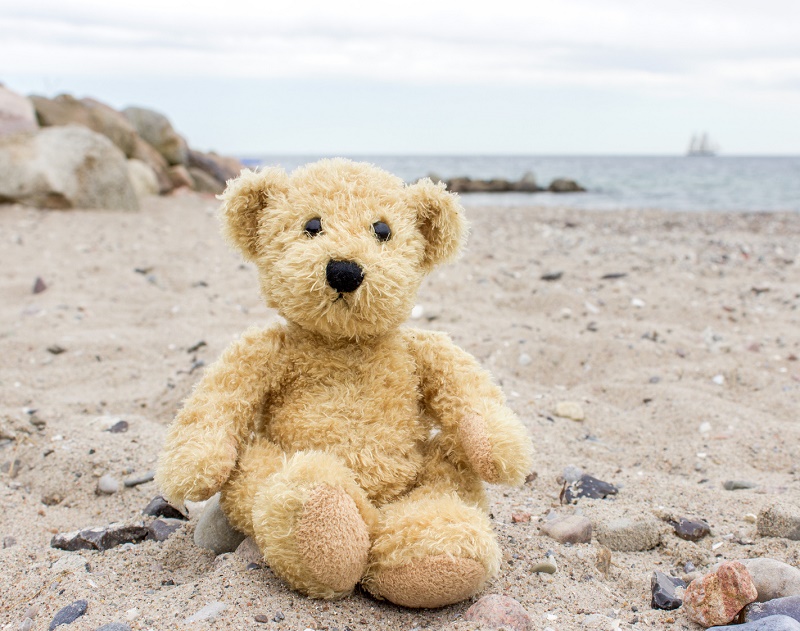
(344, 276)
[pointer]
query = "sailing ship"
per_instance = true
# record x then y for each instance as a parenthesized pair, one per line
(701, 145)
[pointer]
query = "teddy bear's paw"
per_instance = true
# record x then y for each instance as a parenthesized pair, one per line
(332, 539)
(430, 581)
(474, 439)
(188, 473)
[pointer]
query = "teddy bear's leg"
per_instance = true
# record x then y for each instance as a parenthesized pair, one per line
(309, 518)
(431, 549)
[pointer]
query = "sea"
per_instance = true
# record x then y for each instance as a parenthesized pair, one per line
(680, 183)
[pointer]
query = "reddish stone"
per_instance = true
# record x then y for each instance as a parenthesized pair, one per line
(519, 518)
(716, 598)
(496, 611)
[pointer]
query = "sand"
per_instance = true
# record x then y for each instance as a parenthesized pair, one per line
(685, 365)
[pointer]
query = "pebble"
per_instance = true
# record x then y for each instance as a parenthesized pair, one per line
(738, 485)
(570, 409)
(214, 531)
(107, 485)
(662, 589)
(787, 606)
(719, 380)
(716, 598)
(279, 617)
(590, 487)
(568, 529)
(495, 611)
(119, 427)
(525, 359)
(159, 507)
(690, 529)
(69, 614)
(209, 612)
(144, 478)
(520, 518)
(114, 626)
(548, 566)
(770, 623)
(39, 285)
(102, 538)
(630, 535)
(9, 542)
(773, 579)
(262, 618)
(780, 519)
(161, 529)
(11, 468)
(26, 624)
(249, 552)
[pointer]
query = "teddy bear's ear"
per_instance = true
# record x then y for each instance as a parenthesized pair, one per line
(244, 201)
(441, 221)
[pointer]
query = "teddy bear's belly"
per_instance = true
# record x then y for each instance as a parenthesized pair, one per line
(380, 440)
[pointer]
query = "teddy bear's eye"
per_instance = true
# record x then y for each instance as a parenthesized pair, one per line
(313, 227)
(382, 231)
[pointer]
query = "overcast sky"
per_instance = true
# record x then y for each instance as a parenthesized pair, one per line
(337, 76)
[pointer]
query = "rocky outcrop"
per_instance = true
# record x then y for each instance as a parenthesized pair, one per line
(156, 130)
(65, 167)
(143, 178)
(526, 184)
(565, 185)
(16, 113)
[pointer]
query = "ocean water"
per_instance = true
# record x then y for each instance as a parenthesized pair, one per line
(723, 183)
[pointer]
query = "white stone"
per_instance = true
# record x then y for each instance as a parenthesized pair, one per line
(209, 612)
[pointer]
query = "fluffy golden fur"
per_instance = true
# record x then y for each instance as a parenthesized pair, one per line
(351, 449)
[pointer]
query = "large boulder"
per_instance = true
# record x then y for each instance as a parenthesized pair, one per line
(65, 167)
(67, 110)
(156, 129)
(145, 152)
(143, 178)
(16, 113)
(205, 183)
(221, 168)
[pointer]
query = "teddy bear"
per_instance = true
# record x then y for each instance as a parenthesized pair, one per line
(351, 448)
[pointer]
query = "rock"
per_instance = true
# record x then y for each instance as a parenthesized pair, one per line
(69, 614)
(38, 286)
(520, 518)
(770, 623)
(102, 538)
(527, 184)
(590, 487)
(65, 167)
(786, 606)
(249, 552)
(630, 535)
(662, 589)
(161, 529)
(143, 179)
(524, 359)
(717, 598)
(144, 478)
(214, 531)
(9, 542)
(69, 563)
(568, 529)
(690, 529)
(26, 624)
(107, 485)
(179, 176)
(209, 612)
(737, 485)
(495, 611)
(114, 626)
(781, 519)
(119, 427)
(205, 183)
(17, 113)
(159, 507)
(261, 618)
(147, 154)
(548, 566)
(565, 185)
(221, 168)
(570, 409)
(156, 130)
(773, 579)
(11, 468)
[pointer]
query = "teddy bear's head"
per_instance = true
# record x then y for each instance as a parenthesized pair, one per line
(341, 247)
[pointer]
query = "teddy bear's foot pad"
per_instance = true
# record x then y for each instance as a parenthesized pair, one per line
(431, 581)
(333, 538)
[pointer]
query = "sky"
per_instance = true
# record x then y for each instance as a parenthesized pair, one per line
(566, 77)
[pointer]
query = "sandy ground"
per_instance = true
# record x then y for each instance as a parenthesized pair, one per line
(686, 367)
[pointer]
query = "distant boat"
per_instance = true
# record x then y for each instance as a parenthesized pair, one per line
(701, 145)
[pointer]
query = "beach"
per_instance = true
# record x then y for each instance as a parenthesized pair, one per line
(675, 333)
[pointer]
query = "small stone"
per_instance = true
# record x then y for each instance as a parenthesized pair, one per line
(159, 507)
(69, 614)
(143, 478)
(781, 519)
(590, 487)
(738, 485)
(603, 560)
(11, 468)
(662, 588)
(261, 618)
(119, 427)
(571, 410)
(279, 617)
(39, 285)
(568, 529)
(114, 626)
(102, 538)
(209, 612)
(249, 552)
(630, 535)
(107, 485)
(548, 566)
(690, 529)
(787, 606)
(161, 529)
(56, 349)
(773, 579)
(770, 623)
(716, 598)
(719, 380)
(26, 624)
(496, 611)
(9, 542)
(520, 518)
(214, 531)
(524, 359)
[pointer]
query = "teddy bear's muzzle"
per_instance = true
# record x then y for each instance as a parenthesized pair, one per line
(344, 276)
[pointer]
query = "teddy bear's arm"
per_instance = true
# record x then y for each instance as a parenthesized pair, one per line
(203, 441)
(470, 409)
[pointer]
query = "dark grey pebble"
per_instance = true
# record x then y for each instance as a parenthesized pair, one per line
(159, 507)
(551, 276)
(589, 486)
(69, 614)
(39, 285)
(99, 538)
(690, 529)
(786, 606)
(119, 427)
(114, 626)
(144, 478)
(613, 275)
(195, 347)
(56, 349)
(161, 529)
(770, 623)
(279, 617)
(662, 588)
(262, 618)
(738, 485)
